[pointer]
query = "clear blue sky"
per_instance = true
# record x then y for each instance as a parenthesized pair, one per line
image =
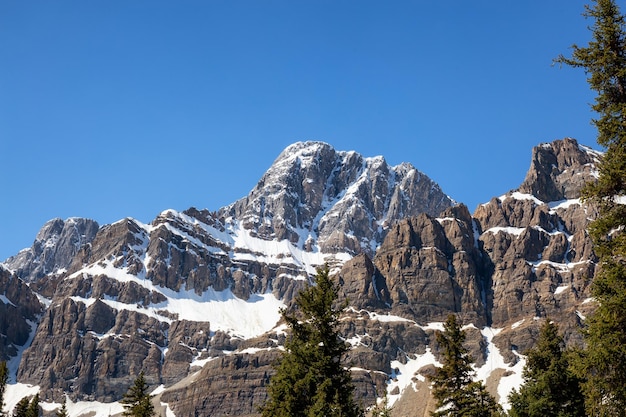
(113, 109)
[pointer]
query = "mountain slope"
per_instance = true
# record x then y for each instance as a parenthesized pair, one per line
(192, 298)
(167, 296)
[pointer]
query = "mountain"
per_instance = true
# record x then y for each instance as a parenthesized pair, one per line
(54, 248)
(192, 298)
(341, 202)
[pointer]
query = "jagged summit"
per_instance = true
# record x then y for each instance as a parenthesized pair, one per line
(334, 201)
(559, 170)
(54, 248)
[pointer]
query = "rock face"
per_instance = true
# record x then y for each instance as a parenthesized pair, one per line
(192, 299)
(339, 200)
(432, 267)
(54, 248)
(559, 170)
(19, 311)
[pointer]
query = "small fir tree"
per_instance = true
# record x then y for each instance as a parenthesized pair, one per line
(383, 409)
(62, 411)
(4, 378)
(310, 380)
(603, 363)
(21, 408)
(550, 388)
(33, 407)
(453, 386)
(137, 401)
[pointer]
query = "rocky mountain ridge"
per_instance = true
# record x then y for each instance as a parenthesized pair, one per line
(313, 195)
(168, 298)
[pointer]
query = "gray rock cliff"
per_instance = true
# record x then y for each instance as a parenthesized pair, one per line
(54, 248)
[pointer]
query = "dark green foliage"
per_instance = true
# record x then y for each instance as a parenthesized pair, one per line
(21, 408)
(62, 412)
(453, 388)
(383, 409)
(33, 408)
(550, 389)
(603, 363)
(310, 380)
(4, 378)
(27, 408)
(137, 401)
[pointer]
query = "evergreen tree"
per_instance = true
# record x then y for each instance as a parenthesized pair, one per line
(453, 388)
(21, 408)
(62, 412)
(310, 380)
(4, 378)
(550, 389)
(137, 401)
(383, 409)
(33, 407)
(603, 362)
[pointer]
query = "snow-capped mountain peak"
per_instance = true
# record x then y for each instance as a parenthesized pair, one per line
(313, 193)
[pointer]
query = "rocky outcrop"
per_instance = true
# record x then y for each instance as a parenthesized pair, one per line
(433, 267)
(559, 170)
(91, 351)
(540, 267)
(19, 312)
(236, 383)
(54, 248)
(362, 285)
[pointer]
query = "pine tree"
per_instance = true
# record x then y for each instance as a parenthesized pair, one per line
(33, 407)
(383, 409)
(4, 378)
(21, 408)
(453, 387)
(310, 380)
(137, 401)
(603, 362)
(550, 389)
(62, 412)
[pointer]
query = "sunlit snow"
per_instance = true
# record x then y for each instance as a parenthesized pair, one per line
(403, 373)
(517, 231)
(5, 300)
(521, 196)
(560, 289)
(222, 309)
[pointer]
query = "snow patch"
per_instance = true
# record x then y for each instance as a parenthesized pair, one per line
(521, 196)
(5, 300)
(222, 309)
(560, 289)
(403, 373)
(201, 362)
(387, 318)
(494, 361)
(14, 392)
(564, 204)
(517, 231)
(517, 324)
